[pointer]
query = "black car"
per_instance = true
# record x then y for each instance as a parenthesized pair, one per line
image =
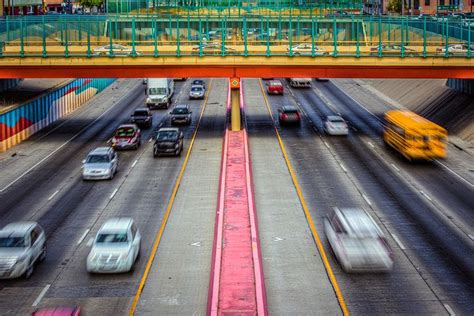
(143, 117)
(181, 114)
(168, 141)
(198, 82)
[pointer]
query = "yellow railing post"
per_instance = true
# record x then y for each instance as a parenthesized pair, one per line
(234, 84)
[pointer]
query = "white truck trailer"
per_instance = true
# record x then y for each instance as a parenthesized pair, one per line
(159, 92)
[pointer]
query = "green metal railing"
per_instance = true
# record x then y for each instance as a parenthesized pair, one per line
(283, 35)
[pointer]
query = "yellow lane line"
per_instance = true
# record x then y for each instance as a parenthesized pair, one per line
(316, 238)
(168, 211)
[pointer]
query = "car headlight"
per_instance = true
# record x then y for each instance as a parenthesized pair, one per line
(148, 100)
(164, 99)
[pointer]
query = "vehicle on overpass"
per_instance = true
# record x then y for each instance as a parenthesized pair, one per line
(275, 87)
(142, 117)
(413, 136)
(115, 248)
(115, 50)
(455, 49)
(300, 82)
(392, 50)
(213, 49)
(159, 92)
(306, 49)
(101, 163)
(181, 114)
(168, 141)
(22, 245)
(127, 136)
(357, 241)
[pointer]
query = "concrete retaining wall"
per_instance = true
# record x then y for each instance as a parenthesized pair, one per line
(23, 121)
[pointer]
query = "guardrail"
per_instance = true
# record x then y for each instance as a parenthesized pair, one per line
(167, 35)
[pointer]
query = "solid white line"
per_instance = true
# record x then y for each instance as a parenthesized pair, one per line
(425, 195)
(326, 144)
(41, 295)
(454, 173)
(54, 151)
(52, 195)
(371, 145)
(113, 193)
(343, 168)
(150, 140)
(395, 167)
(134, 163)
(366, 199)
(395, 237)
(83, 236)
(470, 236)
(450, 310)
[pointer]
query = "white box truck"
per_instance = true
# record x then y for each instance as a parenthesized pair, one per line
(159, 92)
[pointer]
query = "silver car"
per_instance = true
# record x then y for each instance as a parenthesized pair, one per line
(335, 125)
(101, 163)
(22, 245)
(197, 92)
(115, 247)
(358, 243)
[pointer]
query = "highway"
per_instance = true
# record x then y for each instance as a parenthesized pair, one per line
(425, 210)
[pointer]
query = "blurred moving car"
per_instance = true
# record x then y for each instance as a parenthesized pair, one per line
(142, 117)
(116, 49)
(392, 50)
(168, 141)
(289, 114)
(213, 49)
(181, 114)
(357, 241)
(100, 163)
(115, 248)
(58, 311)
(306, 49)
(126, 136)
(335, 125)
(455, 49)
(197, 92)
(22, 245)
(274, 87)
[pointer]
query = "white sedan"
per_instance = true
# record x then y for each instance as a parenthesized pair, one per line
(306, 49)
(115, 247)
(455, 49)
(335, 125)
(117, 50)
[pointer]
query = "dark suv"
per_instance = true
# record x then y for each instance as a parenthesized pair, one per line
(142, 117)
(181, 114)
(168, 141)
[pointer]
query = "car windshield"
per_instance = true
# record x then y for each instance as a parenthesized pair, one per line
(156, 91)
(290, 111)
(125, 132)
(336, 120)
(180, 111)
(140, 113)
(97, 158)
(275, 84)
(112, 238)
(12, 242)
(167, 135)
(198, 82)
(196, 89)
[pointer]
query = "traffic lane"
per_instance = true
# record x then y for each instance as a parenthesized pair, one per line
(326, 186)
(143, 196)
(25, 155)
(450, 196)
(89, 196)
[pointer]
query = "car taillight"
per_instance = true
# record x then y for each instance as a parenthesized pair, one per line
(439, 49)
(284, 116)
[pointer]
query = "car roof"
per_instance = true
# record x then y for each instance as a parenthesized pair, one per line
(56, 311)
(334, 117)
(128, 126)
(18, 228)
(116, 223)
(169, 129)
(358, 222)
(288, 108)
(181, 106)
(100, 151)
(197, 86)
(142, 109)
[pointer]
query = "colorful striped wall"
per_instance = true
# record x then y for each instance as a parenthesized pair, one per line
(22, 122)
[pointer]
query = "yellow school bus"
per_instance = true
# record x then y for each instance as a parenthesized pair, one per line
(413, 136)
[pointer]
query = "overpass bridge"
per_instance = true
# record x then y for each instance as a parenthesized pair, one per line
(234, 45)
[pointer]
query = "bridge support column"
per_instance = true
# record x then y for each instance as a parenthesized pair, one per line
(235, 103)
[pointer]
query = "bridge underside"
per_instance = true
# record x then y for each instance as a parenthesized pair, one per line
(236, 66)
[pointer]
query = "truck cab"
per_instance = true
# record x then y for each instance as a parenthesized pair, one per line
(159, 92)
